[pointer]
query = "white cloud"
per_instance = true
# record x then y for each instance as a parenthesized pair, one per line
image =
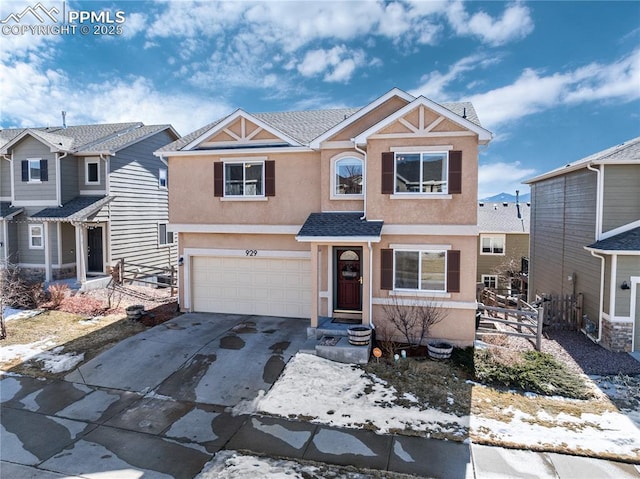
(338, 63)
(34, 97)
(434, 84)
(533, 92)
(515, 23)
(501, 177)
(134, 24)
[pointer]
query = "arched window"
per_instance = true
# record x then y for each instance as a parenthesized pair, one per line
(348, 176)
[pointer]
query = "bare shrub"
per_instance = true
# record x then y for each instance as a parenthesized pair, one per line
(384, 338)
(413, 320)
(57, 293)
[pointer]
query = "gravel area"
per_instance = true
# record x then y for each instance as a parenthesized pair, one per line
(578, 353)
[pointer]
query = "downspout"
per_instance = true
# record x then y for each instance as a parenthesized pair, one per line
(598, 200)
(364, 177)
(59, 179)
(600, 307)
(370, 285)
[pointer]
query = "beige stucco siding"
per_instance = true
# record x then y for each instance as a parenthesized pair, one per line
(192, 201)
(459, 209)
(621, 198)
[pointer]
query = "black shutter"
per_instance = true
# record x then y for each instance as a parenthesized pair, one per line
(453, 271)
(25, 170)
(455, 172)
(44, 170)
(218, 179)
(388, 181)
(270, 178)
(386, 269)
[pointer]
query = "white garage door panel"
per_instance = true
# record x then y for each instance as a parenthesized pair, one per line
(262, 286)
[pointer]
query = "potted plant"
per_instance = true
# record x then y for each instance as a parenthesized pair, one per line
(439, 349)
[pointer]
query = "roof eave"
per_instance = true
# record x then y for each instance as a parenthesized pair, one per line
(625, 252)
(338, 239)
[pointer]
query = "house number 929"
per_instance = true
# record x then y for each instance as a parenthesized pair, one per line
(251, 252)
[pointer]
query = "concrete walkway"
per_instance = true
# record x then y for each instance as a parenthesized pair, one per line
(158, 405)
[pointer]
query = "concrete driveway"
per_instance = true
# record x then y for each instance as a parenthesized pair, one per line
(155, 405)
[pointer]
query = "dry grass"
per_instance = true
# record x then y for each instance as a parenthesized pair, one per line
(85, 326)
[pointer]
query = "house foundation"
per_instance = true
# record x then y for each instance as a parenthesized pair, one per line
(617, 336)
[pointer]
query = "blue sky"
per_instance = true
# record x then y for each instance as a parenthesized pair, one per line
(554, 81)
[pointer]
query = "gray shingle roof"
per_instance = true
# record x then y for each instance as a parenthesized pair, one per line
(7, 210)
(627, 241)
(498, 218)
(627, 151)
(339, 224)
(108, 137)
(305, 126)
(78, 209)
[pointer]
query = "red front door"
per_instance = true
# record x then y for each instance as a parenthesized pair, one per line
(349, 279)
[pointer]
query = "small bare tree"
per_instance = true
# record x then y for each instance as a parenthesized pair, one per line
(413, 321)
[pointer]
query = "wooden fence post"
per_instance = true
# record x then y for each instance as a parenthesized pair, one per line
(173, 275)
(539, 329)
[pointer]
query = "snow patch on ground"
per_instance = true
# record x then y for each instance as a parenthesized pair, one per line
(342, 395)
(54, 361)
(24, 352)
(11, 314)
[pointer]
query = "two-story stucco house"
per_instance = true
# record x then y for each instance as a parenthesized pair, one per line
(74, 199)
(585, 238)
(319, 214)
(503, 246)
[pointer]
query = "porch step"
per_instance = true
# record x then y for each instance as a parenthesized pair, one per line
(344, 352)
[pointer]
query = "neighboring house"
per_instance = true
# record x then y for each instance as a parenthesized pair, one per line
(74, 199)
(331, 213)
(585, 238)
(503, 246)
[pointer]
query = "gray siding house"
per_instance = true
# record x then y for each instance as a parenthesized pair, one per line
(75, 199)
(585, 238)
(503, 246)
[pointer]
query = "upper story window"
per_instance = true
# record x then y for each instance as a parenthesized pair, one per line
(348, 177)
(490, 281)
(92, 171)
(36, 236)
(492, 244)
(162, 177)
(34, 170)
(421, 172)
(245, 178)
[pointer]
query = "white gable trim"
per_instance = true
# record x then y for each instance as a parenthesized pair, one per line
(360, 113)
(620, 229)
(239, 113)
(33, 134)
(484, 136)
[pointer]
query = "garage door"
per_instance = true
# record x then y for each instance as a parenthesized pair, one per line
(250, 285)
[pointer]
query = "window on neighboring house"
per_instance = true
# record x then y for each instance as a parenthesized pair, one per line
(162, 177)
(34, 170)
(490, 281)
(492, 244)
(164, 236)
(348, 177)
(36, 236)
(420, 270)
(92, 171)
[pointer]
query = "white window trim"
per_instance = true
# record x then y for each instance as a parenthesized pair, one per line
(504, 244)
(242, 161)
(494, 277)
(422, 194)
(31, 180)
(87, 162)
(420, 251)
(41, 236)
(166, 236)
(166, 178)
(334, 161)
